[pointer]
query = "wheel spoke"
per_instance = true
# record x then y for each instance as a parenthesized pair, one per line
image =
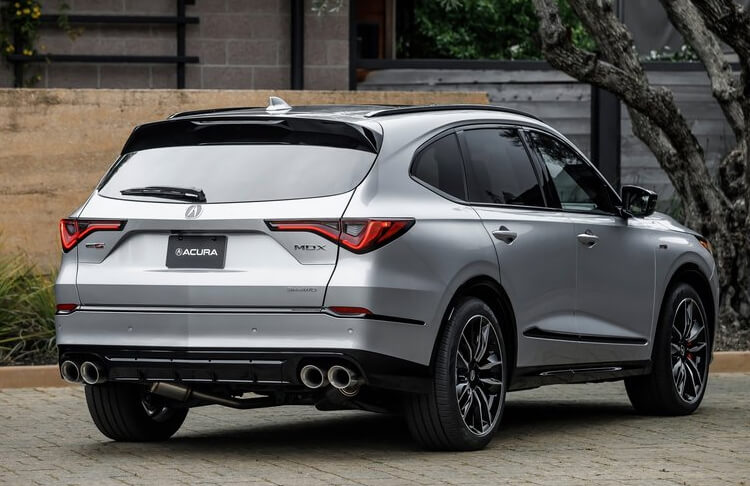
(675, 349)
(462, 363)
(490, 364)
(681, 378)
(485, 415)
(695, 331)
(695, 376)
(688, 325)
(491, 382)
(469, 399)
(697, 347)
(465, 342)
(483, 338)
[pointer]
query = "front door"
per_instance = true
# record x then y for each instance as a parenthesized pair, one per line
(616, 261)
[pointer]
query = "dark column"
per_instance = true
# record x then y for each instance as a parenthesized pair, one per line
(353, 54)
(298, 44)
(605, 134)
(181, 44)
(18, 65)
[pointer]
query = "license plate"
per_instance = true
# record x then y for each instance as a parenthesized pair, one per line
(196, 251)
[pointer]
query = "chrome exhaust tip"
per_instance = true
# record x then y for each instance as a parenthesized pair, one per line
(344, 380)
(92, 374)
(69, 371)
(313, 377)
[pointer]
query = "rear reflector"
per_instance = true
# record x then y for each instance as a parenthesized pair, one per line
(72, 231)
(66, 308)
(349, 311)
(357, 236)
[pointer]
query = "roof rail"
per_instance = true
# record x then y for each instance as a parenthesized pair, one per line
(428, 108)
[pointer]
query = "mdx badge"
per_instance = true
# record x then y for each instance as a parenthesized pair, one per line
(310, 247)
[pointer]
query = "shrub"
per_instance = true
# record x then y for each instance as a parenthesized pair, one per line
(27, 313)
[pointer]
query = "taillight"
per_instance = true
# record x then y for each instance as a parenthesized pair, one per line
(358, 236)
(72, 231)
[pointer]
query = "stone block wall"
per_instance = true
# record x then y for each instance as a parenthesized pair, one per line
(242, 44)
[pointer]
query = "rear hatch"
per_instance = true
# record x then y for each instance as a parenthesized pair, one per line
(196, 198)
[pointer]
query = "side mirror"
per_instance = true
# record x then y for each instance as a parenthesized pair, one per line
(637, 201)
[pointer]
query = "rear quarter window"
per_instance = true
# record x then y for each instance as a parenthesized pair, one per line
(439, 165)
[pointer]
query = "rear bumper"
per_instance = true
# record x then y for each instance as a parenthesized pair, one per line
(262, 349)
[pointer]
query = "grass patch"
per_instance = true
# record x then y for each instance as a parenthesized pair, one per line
(27, 313)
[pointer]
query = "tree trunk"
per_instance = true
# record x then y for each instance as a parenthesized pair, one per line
(715, 206)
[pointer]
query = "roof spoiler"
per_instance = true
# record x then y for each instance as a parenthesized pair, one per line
(260, 129)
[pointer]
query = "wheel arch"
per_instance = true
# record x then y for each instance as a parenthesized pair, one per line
(492, 293)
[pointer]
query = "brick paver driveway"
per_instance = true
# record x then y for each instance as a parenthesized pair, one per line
(555, 435)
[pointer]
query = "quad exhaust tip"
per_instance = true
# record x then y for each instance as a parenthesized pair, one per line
(344, 380)
(92, 374)
(313, 377)
(70, 372)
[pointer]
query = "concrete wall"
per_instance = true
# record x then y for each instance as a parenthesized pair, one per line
(55, 145)
(566, 105)
(242, 44)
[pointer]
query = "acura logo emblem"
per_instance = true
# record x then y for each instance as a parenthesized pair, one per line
(193, 211)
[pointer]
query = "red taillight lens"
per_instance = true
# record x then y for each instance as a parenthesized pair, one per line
(73, 231)
(355, 235)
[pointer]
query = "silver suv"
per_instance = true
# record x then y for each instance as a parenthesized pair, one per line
(424, 260)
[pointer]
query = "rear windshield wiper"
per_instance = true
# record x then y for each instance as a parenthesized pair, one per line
(178, 193)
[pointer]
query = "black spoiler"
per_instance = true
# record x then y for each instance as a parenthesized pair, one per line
(252, 130)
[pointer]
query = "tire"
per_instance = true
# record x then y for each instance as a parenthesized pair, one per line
(126, 413)
(435, 420)
(680, 359)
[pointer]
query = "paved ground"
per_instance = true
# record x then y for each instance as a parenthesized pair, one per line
(555, 435)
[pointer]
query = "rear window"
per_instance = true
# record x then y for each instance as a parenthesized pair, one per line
(241, 173)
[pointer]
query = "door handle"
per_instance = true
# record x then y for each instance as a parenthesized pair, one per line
(588, 238)
(505, 235)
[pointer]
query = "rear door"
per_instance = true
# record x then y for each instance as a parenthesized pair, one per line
(221, 252)
(534, 245)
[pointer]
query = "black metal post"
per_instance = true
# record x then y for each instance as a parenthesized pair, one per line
(18, 65)
(605, 134)
(298, 44)
(181, 44)
(353, 54)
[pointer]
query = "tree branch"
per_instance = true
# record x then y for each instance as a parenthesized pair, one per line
(622, 73)
(687, 19)
(730, 22)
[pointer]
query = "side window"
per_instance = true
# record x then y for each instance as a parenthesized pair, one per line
(578, 186)
(500, 171)
(440, 165)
